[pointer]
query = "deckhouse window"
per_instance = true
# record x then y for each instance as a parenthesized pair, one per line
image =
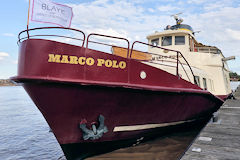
(155, 42)
(167, 41)
(197, 80)
(205, 83)
(179, 40)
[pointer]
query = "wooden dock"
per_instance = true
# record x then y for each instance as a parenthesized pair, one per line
(219, 140)
(163, 148)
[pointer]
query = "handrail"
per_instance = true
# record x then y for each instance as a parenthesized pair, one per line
(102, 35)
(129, 52)
(151, 46)
(177, 52)
(64, 28)
(189, 67)
(50, 35)
(102, 43)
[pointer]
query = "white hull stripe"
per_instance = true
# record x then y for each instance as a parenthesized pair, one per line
(146, 126)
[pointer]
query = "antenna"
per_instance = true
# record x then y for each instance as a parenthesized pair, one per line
(196, 32)
(176, 17)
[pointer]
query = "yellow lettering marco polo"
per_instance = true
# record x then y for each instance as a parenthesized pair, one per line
(90, 61)
(100, 62)
(122, 64)
(57, 58)
(64, 59)
(54, 58)
(73, 60)
(111, 63)
(81, 60)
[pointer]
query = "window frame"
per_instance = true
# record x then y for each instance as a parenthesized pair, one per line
(197, 78)
(184, 38)
(205, 83)
(164, 37)
(155, 40)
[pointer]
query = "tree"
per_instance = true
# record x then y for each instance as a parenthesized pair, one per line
(234, 76)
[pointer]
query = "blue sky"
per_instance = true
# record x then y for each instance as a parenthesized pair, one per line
(218, 21)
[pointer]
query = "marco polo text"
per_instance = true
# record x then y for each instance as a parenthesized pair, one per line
(57, 58)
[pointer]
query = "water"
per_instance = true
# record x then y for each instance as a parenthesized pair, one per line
(24, 133)
(234, 85)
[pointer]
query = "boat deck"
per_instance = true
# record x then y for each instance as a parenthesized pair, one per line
(219, 140)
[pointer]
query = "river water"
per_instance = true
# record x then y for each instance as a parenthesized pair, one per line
(24, 133)
(234, 85)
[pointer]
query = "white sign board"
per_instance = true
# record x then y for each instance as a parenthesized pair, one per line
(46, 11)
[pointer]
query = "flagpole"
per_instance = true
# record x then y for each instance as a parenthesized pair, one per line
(28, 18)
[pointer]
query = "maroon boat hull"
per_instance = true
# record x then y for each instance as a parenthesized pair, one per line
(65, 105)
(71, 85)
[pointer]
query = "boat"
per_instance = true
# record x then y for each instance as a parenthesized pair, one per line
(93, 100)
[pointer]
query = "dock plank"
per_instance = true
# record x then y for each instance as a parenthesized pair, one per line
(225, 135)
(162, 148)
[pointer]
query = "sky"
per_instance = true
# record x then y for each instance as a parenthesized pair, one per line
(217, 20)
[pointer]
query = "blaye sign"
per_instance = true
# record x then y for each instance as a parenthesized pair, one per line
(46, 11)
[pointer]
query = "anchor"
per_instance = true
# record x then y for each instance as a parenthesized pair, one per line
(95, 133)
